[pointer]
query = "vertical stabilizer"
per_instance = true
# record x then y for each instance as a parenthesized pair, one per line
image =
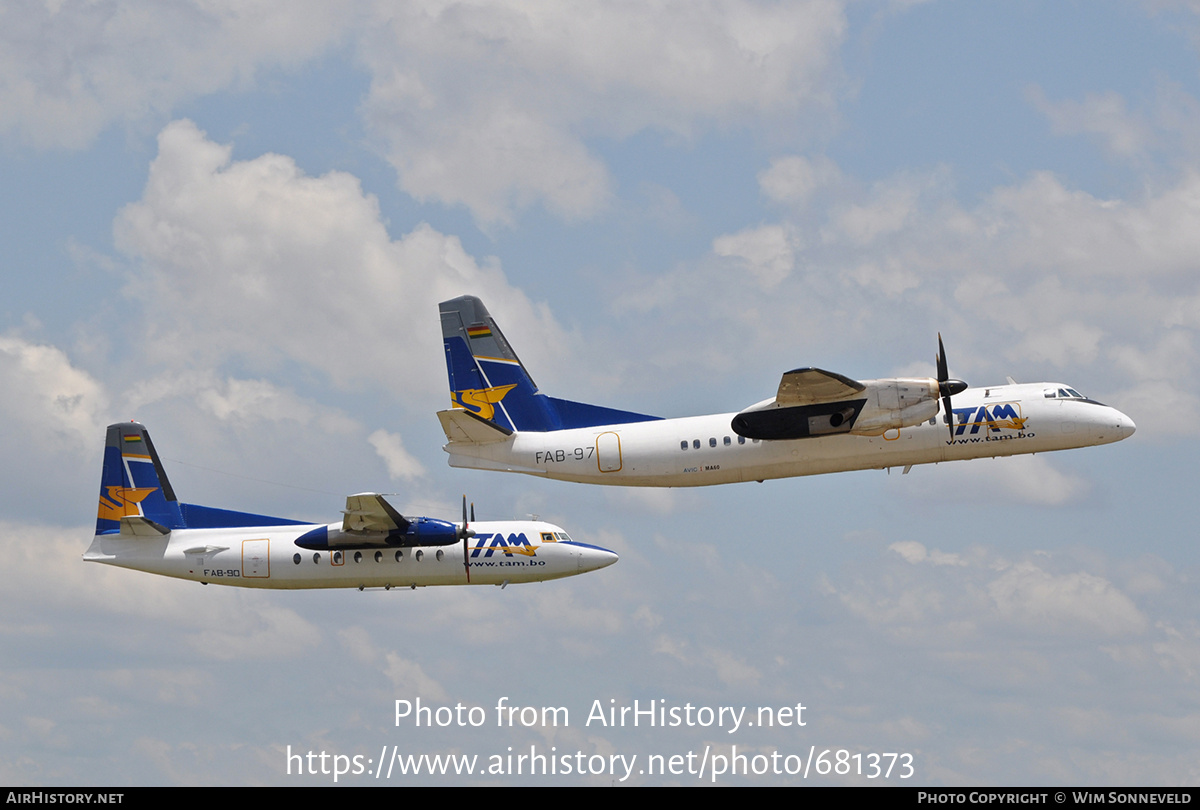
(133, 483)
(486, 377)
(488, 380)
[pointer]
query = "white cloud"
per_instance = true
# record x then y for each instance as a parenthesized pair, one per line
(915, 552)
(45, 398)
(254, 259)
(732, 669)
(1101, 114)
(54, 415)
(1029, 479)
(70, 68)
(765, 253)
(1158, 132)
(1056, 603)
(410, 680)
(795, 179)
(490, 104)
(400, 464)
(267, 632)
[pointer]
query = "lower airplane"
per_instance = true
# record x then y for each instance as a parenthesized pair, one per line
(141, 525)
(817, 422)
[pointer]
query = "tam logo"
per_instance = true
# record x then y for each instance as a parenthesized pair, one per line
(1003, 416)
(513, 544)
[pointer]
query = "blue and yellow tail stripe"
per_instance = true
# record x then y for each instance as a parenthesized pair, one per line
(489, 380)
(132, 482)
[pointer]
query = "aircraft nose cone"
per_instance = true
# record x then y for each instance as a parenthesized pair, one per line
(1125, 425)
(593, 558)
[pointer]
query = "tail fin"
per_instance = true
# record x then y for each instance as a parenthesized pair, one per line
(133, 485)
(489, 380)
(137, 499)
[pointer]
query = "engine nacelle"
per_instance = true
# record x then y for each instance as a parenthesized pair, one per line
(420, 531)
(879, 422)
(767, 420)
(880, 406)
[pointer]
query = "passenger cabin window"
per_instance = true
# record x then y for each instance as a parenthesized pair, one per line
(727, 442)
(712, 442)
(683, 445)
(695, 444)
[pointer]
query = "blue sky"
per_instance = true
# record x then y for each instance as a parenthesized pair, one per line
(234, 223)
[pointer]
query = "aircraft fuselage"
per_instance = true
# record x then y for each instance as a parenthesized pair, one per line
(500, 552)
(1000, 420)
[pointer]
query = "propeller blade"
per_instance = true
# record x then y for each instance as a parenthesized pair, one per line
(946, 386)
(466, 535)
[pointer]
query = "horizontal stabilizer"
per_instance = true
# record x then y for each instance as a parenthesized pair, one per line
(136, 526)
(807, 386)
(464, 426)
(471, 463)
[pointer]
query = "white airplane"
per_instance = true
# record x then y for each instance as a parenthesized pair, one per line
(817, 422)
(141, 525)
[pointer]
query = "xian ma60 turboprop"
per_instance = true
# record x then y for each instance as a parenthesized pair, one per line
(141, 525)
(817, 422)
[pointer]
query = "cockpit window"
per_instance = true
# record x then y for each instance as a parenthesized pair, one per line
(562, 536)
(1063, 393)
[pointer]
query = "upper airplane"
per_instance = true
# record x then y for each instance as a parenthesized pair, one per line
(817, 422)
(141, 525)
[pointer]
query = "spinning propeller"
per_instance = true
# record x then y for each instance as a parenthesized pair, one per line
(946, 386)
(464, 534)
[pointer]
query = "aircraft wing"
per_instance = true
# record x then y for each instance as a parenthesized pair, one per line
(369, 512)
(807, 386)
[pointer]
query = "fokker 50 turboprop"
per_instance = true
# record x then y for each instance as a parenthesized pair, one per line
(817, 422)
(141, 525)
